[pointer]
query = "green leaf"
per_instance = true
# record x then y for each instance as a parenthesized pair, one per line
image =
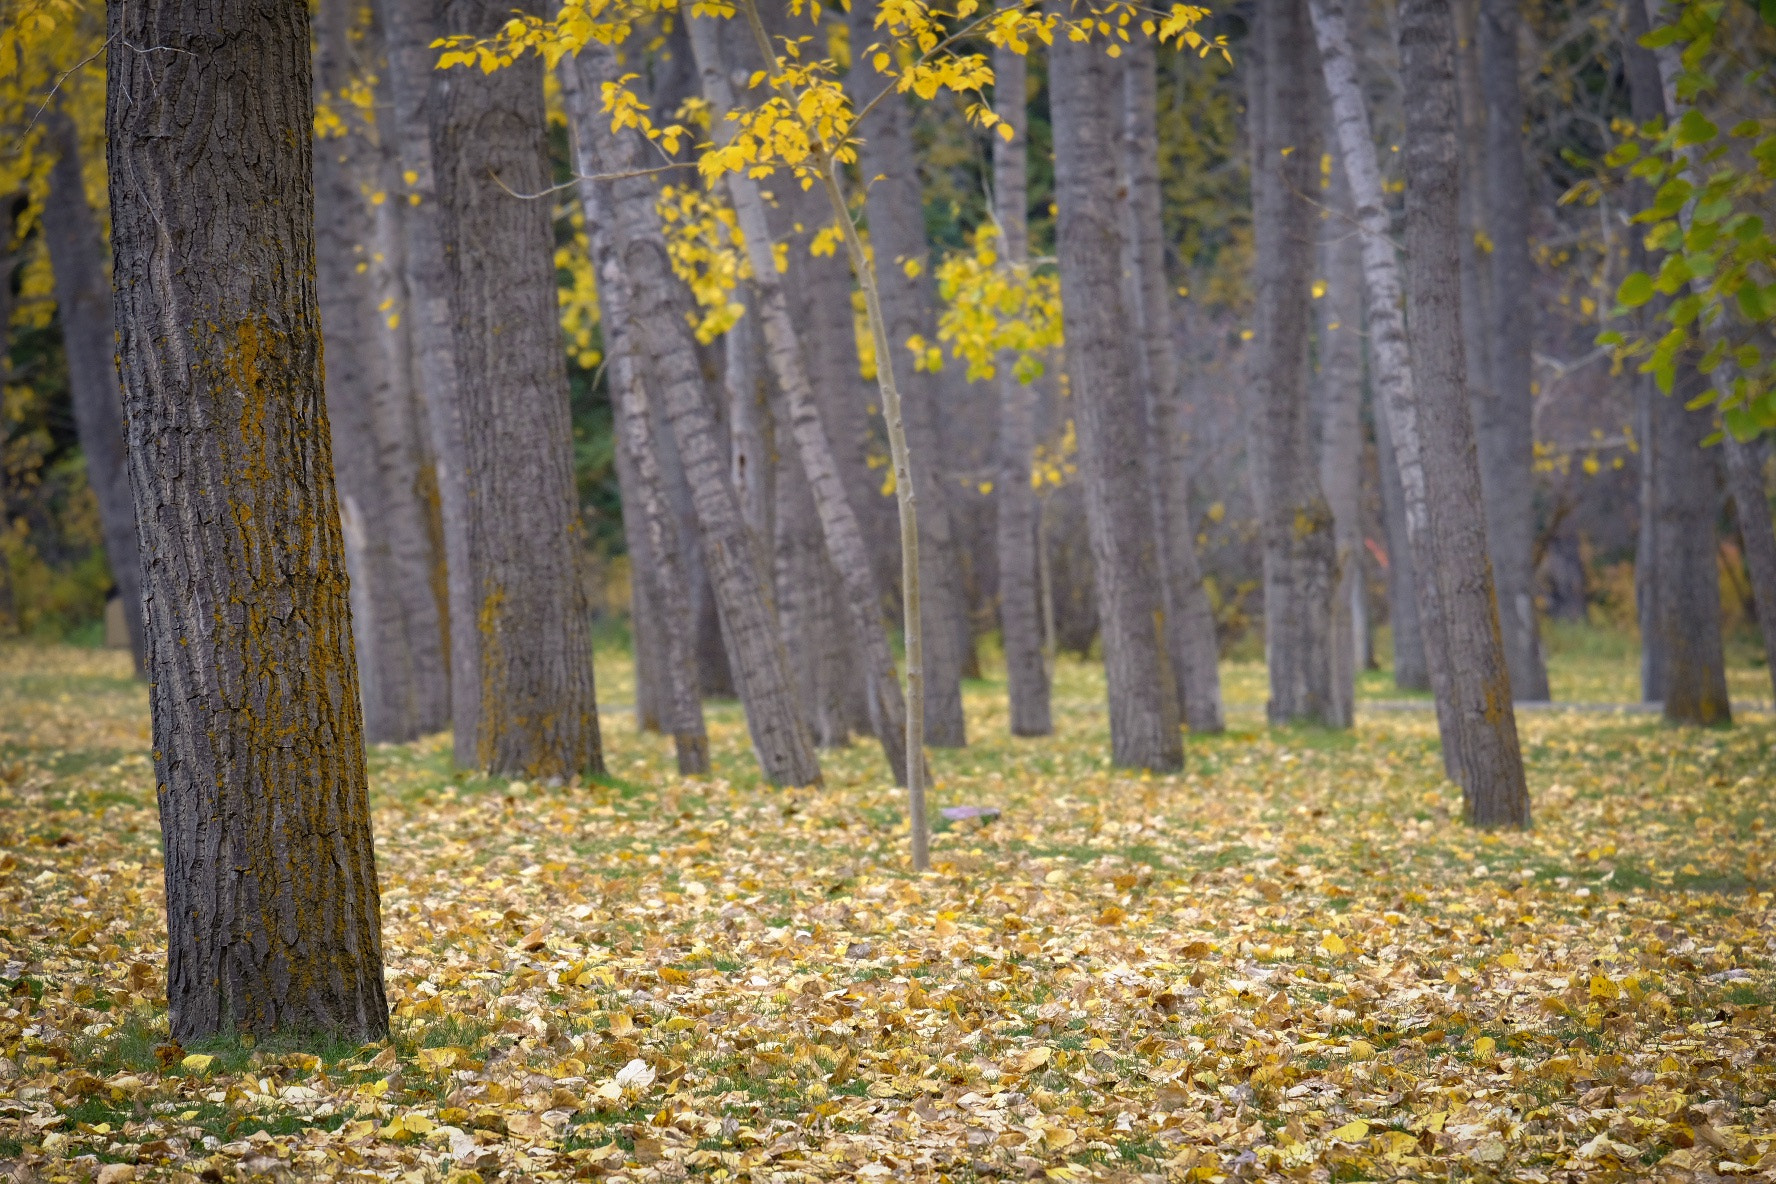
(1745, 129)
(1674, 273)
(1712, 210)
(1660, 37)
(1627, 152)
(1694, 128)
(1767, 10)
(1748, 356)
(1610, 337)
(1636, 290)
(1751, 303)
(1672, 196)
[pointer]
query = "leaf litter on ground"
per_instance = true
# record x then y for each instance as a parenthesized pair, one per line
(1289, 962)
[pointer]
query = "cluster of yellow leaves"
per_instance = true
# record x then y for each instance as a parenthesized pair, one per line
(1055, 463)
(579, 296)
(708, 252)
(993, 309)
(1291, 960)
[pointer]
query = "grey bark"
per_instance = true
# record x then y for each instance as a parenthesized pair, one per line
(1505, 420)
(895, 208)
(1113, 462)
(1677, 579)
(9, 257)
(644, 636)
(396, 621)
(83, 300)
(1489, 761)
(272, 906)
(1411, 673)
(1190, 621)
(1751, 505)
(656, 306)
(838, 522)
(1341, 431)
(1020, 611)
(535, 713)
(1296, 521)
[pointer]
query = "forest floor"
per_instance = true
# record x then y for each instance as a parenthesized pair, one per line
(1291, 961)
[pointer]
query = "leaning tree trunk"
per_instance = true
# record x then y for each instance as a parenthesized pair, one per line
(1677, 580)
(1108, 410)
(1297, 526)
(83, 299)
(273, 915)
(838, 522)
(1020, 611)
(396, 622)
(1401, 422)
(1190, 621)
(1505, 426)
(656, 309)
(1341, 432)
(536, 715)
(1490, 763)
(896, 211)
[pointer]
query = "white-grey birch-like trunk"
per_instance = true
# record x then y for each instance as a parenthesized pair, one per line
(1020, 612)
(844, 539)
(1190, 621)
(1489, 760)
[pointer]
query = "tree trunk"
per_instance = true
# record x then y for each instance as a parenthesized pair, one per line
(1411, 673)
(1086, 109)
(83, 298)
(838, 522)
(1505, 425)
(1751, 505)
(396, 626)
(644, 637)
(1190, 621)
(1340, 326)
(536, 715)
(1403, 420)
(1297, 526)
(895, 208)
(9, 205)
(656, 308)
(1677, 577)
(1020, 613)
(409, 27)
(272, 907)
(1490, 764)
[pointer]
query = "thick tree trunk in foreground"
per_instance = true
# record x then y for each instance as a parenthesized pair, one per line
(895, 208)
(536, 716)
(838, 522)
(1677, 576)
(1341, 432)
(1190, 621)
(83, 298)
(396, 623)
(1297, 526)
(1505, 428)
(1489, 762)
(1020, 611)
(656, 308)
(1402, 420)
(1108, 410)
(272, 908)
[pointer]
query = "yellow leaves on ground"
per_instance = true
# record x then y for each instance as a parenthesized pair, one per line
(1289, 962)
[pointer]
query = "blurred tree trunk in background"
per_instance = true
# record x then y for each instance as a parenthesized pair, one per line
(83, 299)
(1504, 413)
(1190, 622)
(1300, 551)
(1411, 672)
(273, 915)
(1339, 328)
(1086, 107)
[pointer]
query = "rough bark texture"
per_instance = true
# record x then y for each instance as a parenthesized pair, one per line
(1504, 423)
(1190, 621)
(1489, 761)
(838, 522)
(536, 716)
(1297, 526)
(83, 301)
(1020, 610)
(1677, 581)
(389, 548)
(656, 308)
(1395, 391)
(409, 27)
(1340, 325)
(644, 639)
(272, 907)
(896, 211)
(1086, 109)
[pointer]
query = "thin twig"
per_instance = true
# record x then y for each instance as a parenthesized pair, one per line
(578, 177)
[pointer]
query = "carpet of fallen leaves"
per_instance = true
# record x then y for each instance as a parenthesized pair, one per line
(1290, 962)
